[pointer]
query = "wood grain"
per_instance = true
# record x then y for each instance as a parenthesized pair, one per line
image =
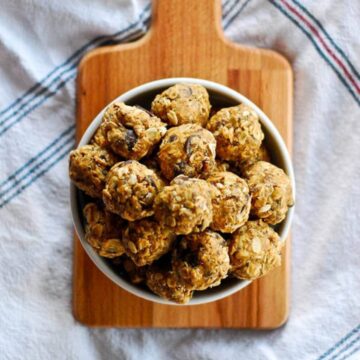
(185, 39)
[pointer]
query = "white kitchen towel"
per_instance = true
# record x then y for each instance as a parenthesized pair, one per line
(41, 43)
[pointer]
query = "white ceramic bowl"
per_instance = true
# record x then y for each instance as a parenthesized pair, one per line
(219, 95)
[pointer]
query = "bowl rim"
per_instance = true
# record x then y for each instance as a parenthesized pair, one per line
(152, 86)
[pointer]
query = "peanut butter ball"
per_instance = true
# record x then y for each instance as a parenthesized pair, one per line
(271, 192)
(238, 133)
(146, 241)
(182, 104)
(132, 132)
(130, 190)
(231, 202)
(255, 249)
(201, 260)
(103, 231)
(187, 149)
(165, 284)
(88, 167)
(185, 206)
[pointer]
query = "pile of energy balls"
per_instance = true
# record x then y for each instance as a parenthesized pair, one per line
(184, 195)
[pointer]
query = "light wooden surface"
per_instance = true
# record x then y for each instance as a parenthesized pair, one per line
(185, 39)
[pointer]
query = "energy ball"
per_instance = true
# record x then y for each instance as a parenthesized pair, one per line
(187, 149)
(165, 284)
(130, 190)
(136, 274)
(182, 104)
(238, 133)
(255, 249)
(231, 203)
(184, 206)
(132, 132)
(146, 241)
(270, 190)
(88, 168)
(201, 260)
(103, 231)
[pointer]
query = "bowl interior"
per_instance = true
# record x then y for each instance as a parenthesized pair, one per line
(218, 99)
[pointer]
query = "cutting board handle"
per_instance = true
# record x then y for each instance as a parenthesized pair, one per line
(199, 19)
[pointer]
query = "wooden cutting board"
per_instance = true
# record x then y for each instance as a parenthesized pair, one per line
(185, 40)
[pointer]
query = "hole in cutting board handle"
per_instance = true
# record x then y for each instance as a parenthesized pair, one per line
(186, 20)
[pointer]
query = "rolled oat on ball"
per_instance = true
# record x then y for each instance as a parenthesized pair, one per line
(189, 150)
(271, 192)
(185, 205)
(255, 249)
(103, 231)
(130, 131)
(201, 260)
(130, 190)
(88, 168)
(182, 104)
(165, 284)
(147, 240)
(238, 133)
(231, 201)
